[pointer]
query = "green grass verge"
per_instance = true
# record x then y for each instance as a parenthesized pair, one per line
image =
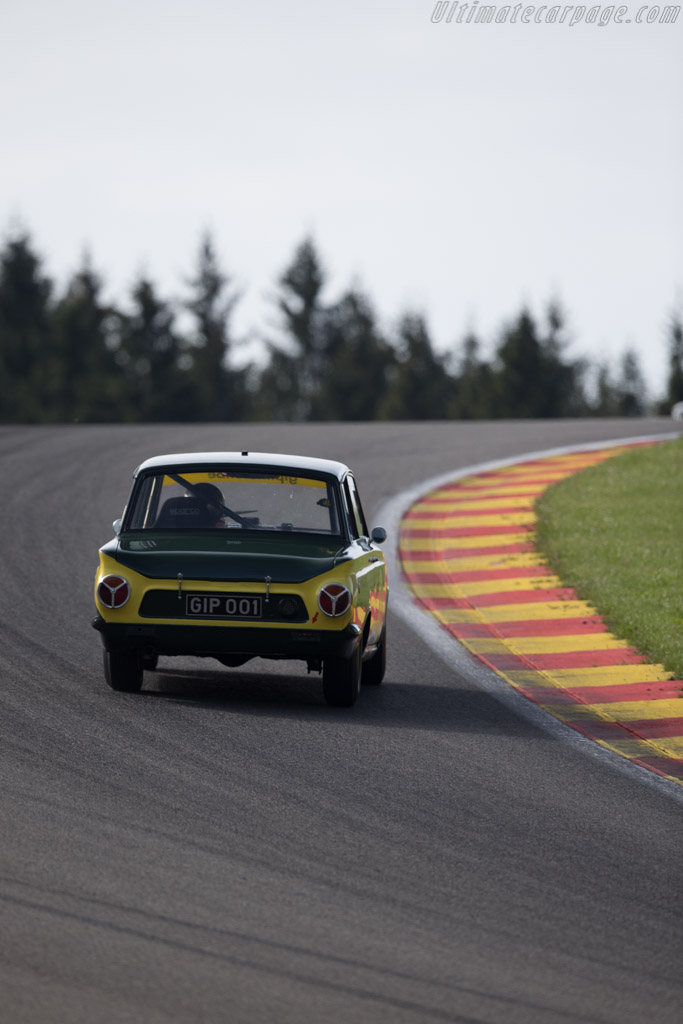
(614, 533)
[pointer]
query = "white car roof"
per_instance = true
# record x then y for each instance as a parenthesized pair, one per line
(252, 459)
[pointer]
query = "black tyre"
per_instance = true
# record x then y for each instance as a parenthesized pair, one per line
(123, 670)
(150, 662)
(341, 679)
(375, 667)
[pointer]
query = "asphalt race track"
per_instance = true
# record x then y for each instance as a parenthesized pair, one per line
(226, 848)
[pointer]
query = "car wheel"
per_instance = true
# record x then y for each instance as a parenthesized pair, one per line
(123, 670)
(341, 679)
(150, 662)
(374, 667)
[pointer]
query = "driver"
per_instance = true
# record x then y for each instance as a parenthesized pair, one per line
(213, 498)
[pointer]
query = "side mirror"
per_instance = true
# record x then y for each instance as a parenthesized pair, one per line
(117, 526)
(378, 535)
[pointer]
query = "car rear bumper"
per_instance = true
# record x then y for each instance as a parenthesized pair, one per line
(216, 640)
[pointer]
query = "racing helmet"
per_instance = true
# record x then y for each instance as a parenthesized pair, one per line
(209, 493)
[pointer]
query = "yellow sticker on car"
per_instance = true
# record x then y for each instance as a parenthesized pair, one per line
(214, 476)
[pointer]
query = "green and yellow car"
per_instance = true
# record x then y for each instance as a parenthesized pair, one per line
(233, 556)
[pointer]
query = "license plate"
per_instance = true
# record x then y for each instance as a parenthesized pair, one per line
(222, 606)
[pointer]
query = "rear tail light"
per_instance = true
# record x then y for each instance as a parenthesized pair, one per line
(113, 591)
(334, 599)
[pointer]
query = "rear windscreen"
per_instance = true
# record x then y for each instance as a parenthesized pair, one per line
(224, 499)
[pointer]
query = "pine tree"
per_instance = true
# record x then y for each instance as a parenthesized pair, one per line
(674, 385)
(357, 362)
(563, 379)
(25, 334)
(519, 371)
(474, 395)
(149, 352)
(533, 379)
(292, 378)
(219, 391)
(606, 402)
(632, 399)
(85, 381)
(422, 388)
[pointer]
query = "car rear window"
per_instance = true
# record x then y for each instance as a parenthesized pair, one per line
(223, 498)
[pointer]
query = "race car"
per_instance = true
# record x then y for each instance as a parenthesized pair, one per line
(237, 555)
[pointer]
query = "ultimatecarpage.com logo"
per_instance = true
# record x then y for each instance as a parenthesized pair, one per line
(455, 12)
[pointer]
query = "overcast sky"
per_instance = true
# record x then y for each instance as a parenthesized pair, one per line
(460, 169)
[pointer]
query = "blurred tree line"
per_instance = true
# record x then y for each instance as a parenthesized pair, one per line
(73, 357)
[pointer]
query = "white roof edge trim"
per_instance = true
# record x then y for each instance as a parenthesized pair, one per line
(277, 461)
